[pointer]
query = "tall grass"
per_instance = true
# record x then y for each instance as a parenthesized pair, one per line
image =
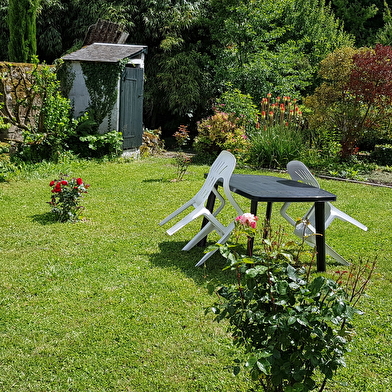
(275, 146)
(113, 304)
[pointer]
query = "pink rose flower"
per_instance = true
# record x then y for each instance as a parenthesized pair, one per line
(248, 220)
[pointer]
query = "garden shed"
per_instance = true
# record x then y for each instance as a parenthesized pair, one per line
(107, 80)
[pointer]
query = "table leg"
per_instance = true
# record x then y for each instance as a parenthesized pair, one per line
(251, 240)
(320, 237)
(210, 206)
(267, 222)
(269, 211)
(253, 210)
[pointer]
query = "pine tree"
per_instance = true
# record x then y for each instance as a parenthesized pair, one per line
(22, 15)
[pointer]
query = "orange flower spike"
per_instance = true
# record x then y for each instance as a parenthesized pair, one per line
(264, 103)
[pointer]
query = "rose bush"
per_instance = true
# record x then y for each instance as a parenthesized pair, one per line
(293, 328)
(66, 196)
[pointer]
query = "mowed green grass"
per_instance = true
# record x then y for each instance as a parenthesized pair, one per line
(113, 304)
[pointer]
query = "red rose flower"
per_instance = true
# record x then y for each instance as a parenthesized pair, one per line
(52, 183)
(79, 181)
(64, 182)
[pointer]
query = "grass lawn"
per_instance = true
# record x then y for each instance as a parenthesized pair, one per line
(113, 304)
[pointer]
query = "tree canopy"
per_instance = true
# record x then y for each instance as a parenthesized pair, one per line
(197, 48)
(361, 18)
(22, 45)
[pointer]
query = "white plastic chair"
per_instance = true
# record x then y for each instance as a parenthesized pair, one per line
(222, 168)
(306, 228)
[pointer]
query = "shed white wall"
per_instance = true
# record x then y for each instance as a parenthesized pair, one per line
(80, 99)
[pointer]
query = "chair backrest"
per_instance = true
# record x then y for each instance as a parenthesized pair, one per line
(223, 168)
(299, 172)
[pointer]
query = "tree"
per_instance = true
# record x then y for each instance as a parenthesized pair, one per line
(354, 101)
(384, 36)
(4, 32)
(272, 46)
(197, 48)
(22, 15)
(361, 18)
(179, 85)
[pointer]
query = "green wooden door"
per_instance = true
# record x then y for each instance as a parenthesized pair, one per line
(131, 107)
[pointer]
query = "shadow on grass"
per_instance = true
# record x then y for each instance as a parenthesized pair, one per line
(155, 180)
(170, 255)
(46, 218)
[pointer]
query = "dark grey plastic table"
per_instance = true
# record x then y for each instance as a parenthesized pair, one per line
(270, 189)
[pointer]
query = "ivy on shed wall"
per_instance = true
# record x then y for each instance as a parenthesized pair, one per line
(101, 81)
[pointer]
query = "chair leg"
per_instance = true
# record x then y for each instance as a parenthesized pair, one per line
(221, 241)
(207, 229)
(328, 250)
(283, 212)
(194, 215)
(176, 212)
(331, 252)
(336, 213)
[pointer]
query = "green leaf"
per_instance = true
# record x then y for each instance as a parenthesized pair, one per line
(291, 272)
(291, 320)
(263, 366)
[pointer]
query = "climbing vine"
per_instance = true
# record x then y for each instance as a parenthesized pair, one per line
(66, 76)
(101, 82)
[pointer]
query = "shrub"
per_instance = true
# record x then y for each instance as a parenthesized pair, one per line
(182, 160)
(222, 131)
(6, 166)
(242, 107)
(65, 200)
(152, 142)
(277, 138)
(275, 146)
(106, 144)
(354, 100)
(382, 154)
(283, 111)
(38, 109)
(294, 329)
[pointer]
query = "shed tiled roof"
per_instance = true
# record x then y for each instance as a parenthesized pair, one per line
(106, 53)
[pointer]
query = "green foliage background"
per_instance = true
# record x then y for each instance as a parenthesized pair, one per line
(197, 48)
(22, 45)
